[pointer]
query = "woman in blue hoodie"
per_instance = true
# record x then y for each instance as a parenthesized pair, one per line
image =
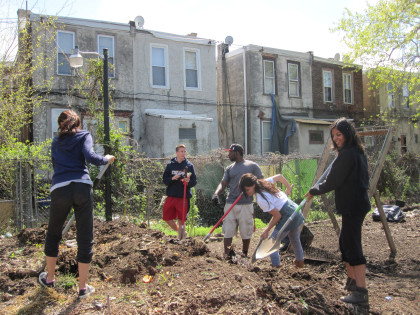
(71, 187)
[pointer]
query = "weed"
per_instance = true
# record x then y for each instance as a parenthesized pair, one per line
(162, 278)
(67, 281)
(305, 305)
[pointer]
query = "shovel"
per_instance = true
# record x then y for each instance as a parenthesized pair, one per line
(182, 228)
(263, 248)
(70, 222)
(221, 219)
(269, 245)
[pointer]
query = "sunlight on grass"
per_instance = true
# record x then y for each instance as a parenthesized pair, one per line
(199, 230)
(317, 216)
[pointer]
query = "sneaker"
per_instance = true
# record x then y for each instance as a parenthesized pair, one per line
(83, 294)
(42, 280)
(358, 296)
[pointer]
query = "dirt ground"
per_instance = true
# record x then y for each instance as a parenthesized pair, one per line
(190, 277)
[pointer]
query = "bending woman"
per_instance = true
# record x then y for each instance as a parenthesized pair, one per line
(272, 200)
(349, 179)
(71, 187)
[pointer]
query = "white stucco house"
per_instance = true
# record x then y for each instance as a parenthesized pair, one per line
(152, 71)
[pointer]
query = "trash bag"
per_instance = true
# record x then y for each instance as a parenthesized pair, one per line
(306, 238)
(392, 213)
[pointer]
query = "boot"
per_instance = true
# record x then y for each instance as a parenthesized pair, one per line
(357, 296)
(350, 284)
(298, 264)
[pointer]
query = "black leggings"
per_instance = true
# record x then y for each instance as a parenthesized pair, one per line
(80, 197)
(351, 240)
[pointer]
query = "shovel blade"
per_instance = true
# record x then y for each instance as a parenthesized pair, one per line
(181, 233)
(264, 248)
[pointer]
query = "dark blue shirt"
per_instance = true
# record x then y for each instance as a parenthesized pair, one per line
(176, 187)
(70, 155)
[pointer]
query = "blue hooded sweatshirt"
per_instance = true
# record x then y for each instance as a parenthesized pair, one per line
(176, 187)
(70, 155)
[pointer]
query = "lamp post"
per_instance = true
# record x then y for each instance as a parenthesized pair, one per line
(76, 61)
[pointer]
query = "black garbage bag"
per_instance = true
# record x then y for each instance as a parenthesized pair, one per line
(393, 213)
(306, 238)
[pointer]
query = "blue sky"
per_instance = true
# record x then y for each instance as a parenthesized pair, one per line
(299, 25)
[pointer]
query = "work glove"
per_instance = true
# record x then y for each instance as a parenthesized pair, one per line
(215, 200)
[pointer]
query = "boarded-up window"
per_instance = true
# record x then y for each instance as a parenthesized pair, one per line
(187, 133)
(316, 137)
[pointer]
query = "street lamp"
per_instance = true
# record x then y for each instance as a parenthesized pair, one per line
(76, 61)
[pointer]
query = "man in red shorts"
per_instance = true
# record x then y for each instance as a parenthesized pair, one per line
(178, 171)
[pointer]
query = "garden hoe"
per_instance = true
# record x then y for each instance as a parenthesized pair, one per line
(70, 222)
(269, 245)
(184, 199)
(221, 219)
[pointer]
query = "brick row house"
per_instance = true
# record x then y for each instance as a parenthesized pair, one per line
(303, 93)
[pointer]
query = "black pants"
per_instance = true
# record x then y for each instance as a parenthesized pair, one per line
(80, 197)
(351, 240)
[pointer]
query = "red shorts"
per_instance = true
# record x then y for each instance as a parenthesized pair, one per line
(173, 207)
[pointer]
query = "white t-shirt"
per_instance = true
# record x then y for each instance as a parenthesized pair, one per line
(274, 201)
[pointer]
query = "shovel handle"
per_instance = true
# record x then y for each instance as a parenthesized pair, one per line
(221, 219)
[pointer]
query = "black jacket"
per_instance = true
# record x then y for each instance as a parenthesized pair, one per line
(176, 187)
(349, 178)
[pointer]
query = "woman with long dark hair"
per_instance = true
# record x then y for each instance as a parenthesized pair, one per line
(274, 201)
(71, 187)
(349, 178)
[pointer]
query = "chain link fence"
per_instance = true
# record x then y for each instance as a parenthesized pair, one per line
(137, 189)
(138, 192)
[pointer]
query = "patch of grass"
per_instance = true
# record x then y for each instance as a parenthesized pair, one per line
(67, 281)
(317, 216)
(259, 224)
(199, 230)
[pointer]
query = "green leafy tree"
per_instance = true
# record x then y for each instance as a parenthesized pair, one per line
(385, 40)
(20, 96)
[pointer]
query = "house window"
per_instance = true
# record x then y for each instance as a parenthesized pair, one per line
(159, 63)
(265, 136)
(65, 44)
(107, 42)
(403, 144)
(122, 123)
(348, 88)
(294, 84)
(123, 126)
(192, 69)
(187, 133)
(405, 95)
(55, 112)
(269, 77)
(390, 89)
(327, 80)
(316, 137)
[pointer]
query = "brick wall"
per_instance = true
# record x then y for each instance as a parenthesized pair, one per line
(336, 108)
